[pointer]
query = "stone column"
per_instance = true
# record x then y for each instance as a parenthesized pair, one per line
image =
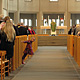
(67, 20)
(17, 14)
(67, 16)
(1, 7)
(34, 20)
(39, 22)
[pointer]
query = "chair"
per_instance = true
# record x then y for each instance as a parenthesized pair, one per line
(3, 61)
(2, 64)
(7, 66)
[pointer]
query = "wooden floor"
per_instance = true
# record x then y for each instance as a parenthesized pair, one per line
(50, 63)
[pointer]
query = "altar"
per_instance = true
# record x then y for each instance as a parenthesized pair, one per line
(59, 30)
(45, 29)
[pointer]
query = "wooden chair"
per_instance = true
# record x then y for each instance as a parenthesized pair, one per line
(2, 64)
(7, 66)
(3, 61)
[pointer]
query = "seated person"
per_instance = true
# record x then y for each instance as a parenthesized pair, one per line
(71, 31)
(76, 30)
(33, 32)
(22, 30)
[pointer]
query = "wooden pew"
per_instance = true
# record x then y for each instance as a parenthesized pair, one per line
(19, 47)
(15, 56)
(75, 48)
(78, 50)
(70, 42)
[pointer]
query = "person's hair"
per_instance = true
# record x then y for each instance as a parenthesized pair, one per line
(9, 30)
(6, 18)
(22, 24)
(18, 24)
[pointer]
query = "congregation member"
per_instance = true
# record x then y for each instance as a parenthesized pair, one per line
(30, 30)
(9, 38)
(22, 30)
(77, 29)
(16, 30)
(71, 31)
(33, 32)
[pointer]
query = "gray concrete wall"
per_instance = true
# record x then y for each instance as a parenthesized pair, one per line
(12, 5)
(73, 6)
(40, 7)
(30, 7)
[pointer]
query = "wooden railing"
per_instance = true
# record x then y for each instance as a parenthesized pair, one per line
(19, 48)
(73, 46)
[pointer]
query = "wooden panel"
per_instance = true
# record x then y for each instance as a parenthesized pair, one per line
(71, 45)
(43, 34)
(78, 51)
(19, 47)
(52, 40)
(75, 48)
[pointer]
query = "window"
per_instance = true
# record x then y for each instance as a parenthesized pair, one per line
(26, 22)
(77, 0)
(27, 0)
(21, 20)
(53, 0)
(36, 22)
(11, 19)
(45, 22)
(30, 22)
(77, 21)
(57, 22)
(62, 22)
(49, 22)
(70, 22)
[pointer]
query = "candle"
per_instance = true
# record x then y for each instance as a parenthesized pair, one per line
(58, 16)
(42, 17)
(64, 17)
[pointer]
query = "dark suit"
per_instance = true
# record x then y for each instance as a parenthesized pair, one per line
(22, 30)
(16, 30)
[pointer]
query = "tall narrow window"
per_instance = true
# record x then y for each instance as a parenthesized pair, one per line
(27, 0)
(77, 0)
(22, 21)
(11, 19)
(36, 22)
(49, 22)
(30, 22)
(70, 22)
(62, 22)
(77, 21)
(26, 22)
(57, 22)
(45, 22)
(53, 0)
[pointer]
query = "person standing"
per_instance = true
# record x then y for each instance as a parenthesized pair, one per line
(9, 31)
(22, 30)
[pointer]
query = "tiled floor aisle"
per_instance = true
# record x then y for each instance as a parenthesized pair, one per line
(49, 63)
